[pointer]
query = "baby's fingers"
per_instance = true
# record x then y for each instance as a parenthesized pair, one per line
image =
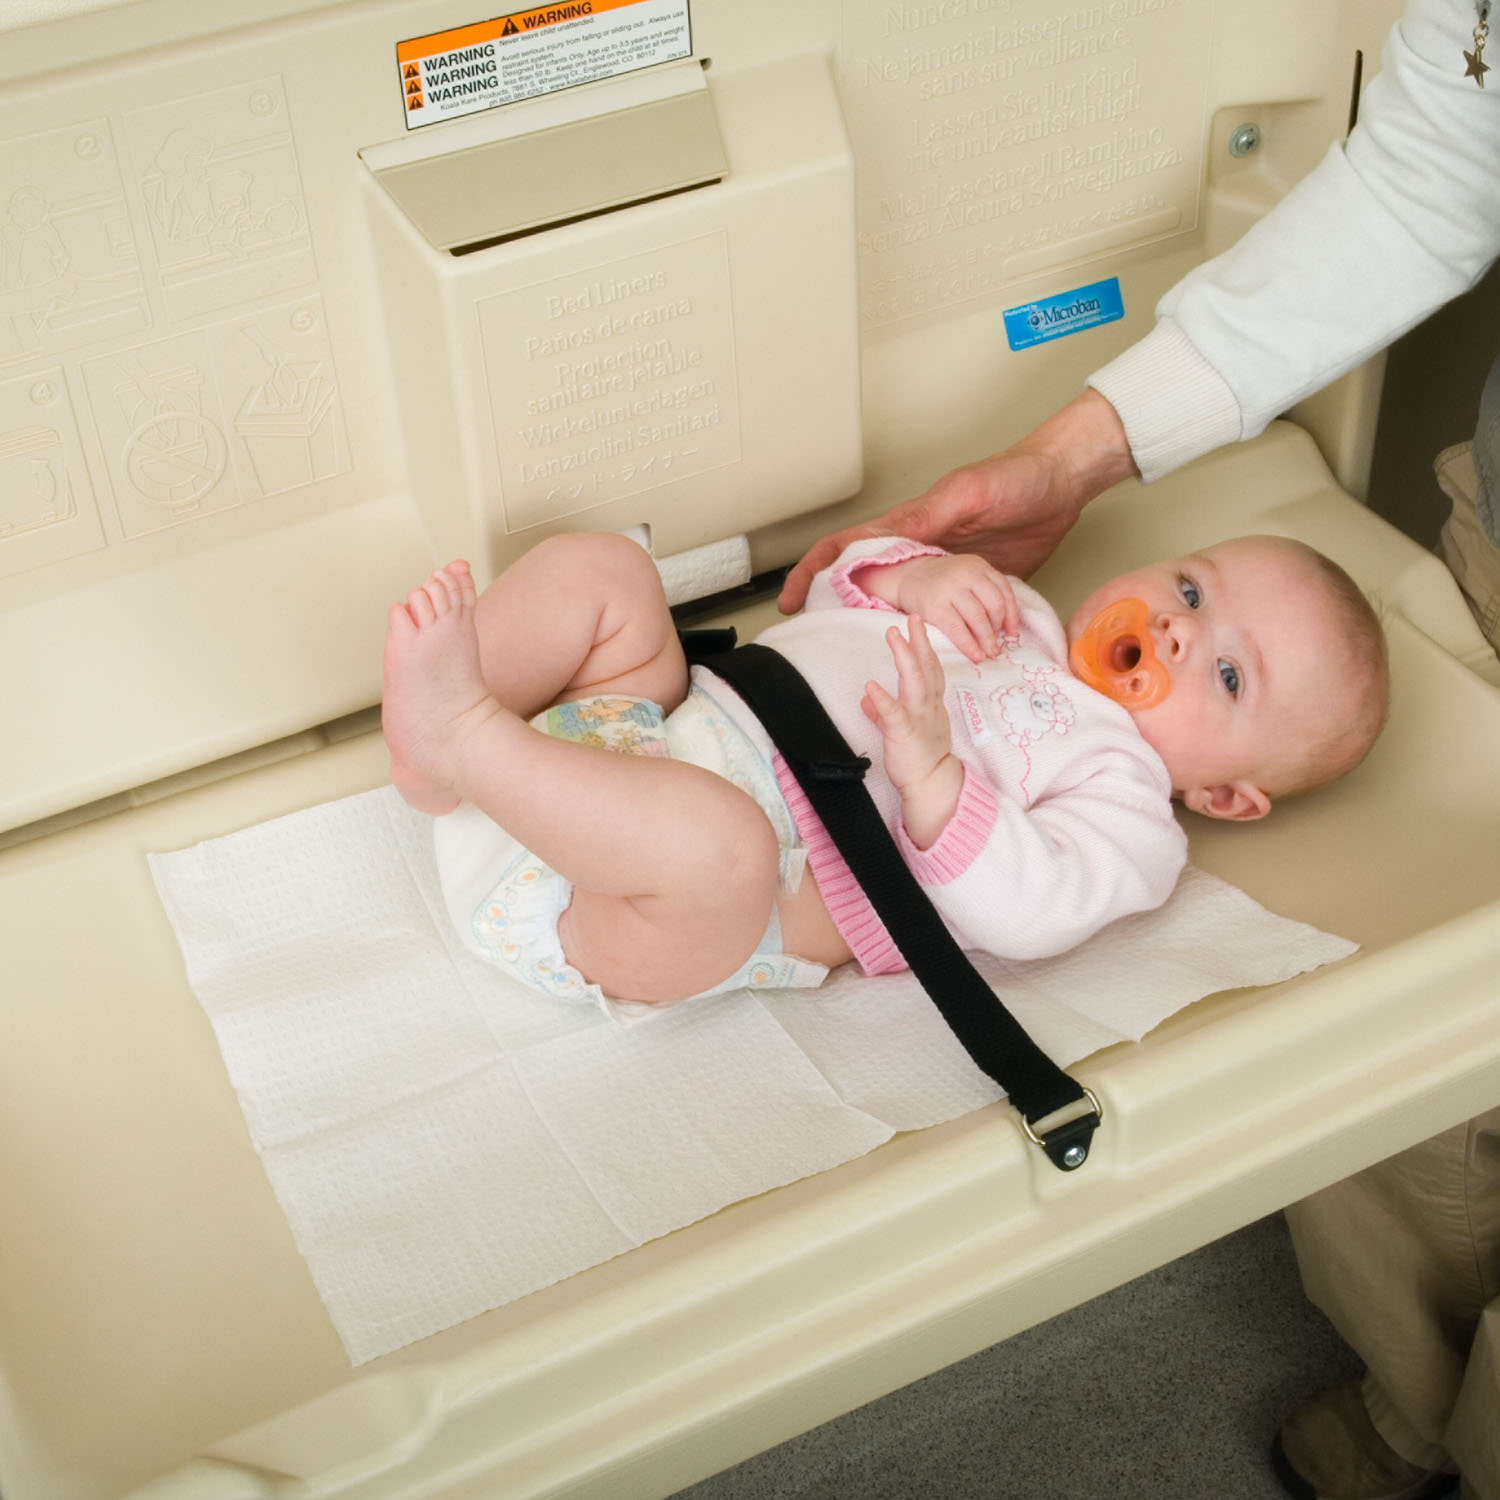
(976, 636)
(1004, 612)
(923, 657)
(918, 671)
(992, 611)
(880, 707)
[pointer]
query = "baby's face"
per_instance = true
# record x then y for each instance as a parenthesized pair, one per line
(1249, 640)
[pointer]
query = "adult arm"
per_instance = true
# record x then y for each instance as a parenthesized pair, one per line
(1394, 222)
(1012, 509)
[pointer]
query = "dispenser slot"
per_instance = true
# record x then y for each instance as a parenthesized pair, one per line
(560, 366)
(488, 193)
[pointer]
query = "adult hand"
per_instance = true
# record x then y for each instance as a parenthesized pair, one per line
(1011, 508)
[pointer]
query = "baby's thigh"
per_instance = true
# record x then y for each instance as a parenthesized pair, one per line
(594, 618)
(679, 942)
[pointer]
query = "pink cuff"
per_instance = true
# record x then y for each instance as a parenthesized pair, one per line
(964, 835)
(851, 594)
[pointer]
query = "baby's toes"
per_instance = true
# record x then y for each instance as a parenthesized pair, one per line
(420, 607)
(468, 594)
(436, 596)
(459, 582)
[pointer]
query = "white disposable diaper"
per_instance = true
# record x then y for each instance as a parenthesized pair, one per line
(505, 901)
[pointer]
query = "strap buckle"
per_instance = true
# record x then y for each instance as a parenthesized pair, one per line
(1067, 1143)
(839, 770)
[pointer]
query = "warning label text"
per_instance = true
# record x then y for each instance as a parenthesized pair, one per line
(530, 52)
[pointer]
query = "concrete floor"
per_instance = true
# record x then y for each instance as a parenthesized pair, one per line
(1169, 1388)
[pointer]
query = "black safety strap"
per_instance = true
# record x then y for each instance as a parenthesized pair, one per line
(832, 776)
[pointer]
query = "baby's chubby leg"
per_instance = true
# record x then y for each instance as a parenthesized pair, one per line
(575, 616)
(432, 689)
(674, 868)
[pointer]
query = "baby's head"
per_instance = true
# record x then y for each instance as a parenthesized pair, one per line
(1277, 668)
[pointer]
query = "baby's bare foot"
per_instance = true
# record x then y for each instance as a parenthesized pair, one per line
(434, 694)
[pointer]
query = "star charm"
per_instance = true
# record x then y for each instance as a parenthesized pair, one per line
(1477, 67)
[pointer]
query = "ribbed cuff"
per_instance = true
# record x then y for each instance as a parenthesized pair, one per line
(964, 835)
(1174, 405)
(866, 554)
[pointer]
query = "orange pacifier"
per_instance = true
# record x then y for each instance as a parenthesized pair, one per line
(1116, 657)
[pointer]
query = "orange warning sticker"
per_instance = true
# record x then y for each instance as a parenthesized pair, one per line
(538, 51)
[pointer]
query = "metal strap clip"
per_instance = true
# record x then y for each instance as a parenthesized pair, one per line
(1067, 1143)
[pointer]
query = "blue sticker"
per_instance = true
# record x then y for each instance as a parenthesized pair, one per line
(1035, 323)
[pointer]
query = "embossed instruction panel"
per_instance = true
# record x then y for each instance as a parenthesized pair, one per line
(610, 381)
(175, 237)
(1000, 139)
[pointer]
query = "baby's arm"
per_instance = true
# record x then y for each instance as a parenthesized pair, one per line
(916, 737)
(969, 601)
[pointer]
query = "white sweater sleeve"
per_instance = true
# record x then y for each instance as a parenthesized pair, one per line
(1393, 223)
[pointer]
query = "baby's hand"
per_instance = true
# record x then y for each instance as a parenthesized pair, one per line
(916, 738)
(914, 723)
(972, 603)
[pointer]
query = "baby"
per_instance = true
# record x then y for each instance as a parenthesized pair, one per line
(1033, 808)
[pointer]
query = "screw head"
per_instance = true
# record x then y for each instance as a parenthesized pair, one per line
(1244, 140)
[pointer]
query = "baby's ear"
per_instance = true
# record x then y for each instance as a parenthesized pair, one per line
(1237, 801)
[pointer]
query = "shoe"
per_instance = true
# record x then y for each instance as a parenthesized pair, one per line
(1328, 1449)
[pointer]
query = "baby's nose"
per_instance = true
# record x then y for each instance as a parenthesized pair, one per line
(1174, 634)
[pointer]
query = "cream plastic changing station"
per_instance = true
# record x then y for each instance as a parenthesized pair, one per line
(298, 300)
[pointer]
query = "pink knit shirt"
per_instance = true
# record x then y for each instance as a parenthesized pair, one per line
(1064, 822)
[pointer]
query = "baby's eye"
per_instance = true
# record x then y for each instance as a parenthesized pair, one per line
(1189, 591)
(1229, 675)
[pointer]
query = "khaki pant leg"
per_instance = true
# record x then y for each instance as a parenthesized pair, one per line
(1469, 474)
(1403, 1258)
(1473, 561)
(1474, 1432)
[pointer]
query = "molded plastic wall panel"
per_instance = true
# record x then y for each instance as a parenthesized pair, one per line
(631, 369)
(242, 402)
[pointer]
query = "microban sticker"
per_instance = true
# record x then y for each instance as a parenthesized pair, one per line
(1035, 323)
(471, 68)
